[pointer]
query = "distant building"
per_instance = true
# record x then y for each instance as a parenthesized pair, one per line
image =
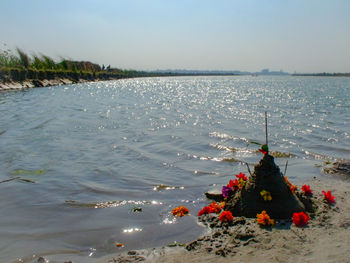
(266, 71)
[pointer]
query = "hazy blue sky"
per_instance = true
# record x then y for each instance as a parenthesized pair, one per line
(293, 35)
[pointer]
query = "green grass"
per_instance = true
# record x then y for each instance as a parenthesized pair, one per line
(20, 66)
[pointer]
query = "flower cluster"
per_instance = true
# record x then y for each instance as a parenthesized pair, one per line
(329, 197)
(180, 211)
(266, 195)
(306, 189)
(300, 219)
(226, 216)
(212, 208)
(264, 219)
(292, 187)
(233, 186)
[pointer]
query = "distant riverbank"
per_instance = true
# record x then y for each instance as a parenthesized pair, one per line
(19, 79)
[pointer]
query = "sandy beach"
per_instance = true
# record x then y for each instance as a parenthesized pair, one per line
(326, 238)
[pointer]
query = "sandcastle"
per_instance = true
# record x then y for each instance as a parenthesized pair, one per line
(248, 200)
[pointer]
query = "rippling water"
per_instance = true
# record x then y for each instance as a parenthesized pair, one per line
(81, 159)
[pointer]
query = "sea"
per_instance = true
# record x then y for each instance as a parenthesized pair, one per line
(93, 169)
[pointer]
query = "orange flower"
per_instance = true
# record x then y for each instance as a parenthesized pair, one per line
(180, 211)
(264, 219)
(226, 216)
(293, 188)
(300, 219)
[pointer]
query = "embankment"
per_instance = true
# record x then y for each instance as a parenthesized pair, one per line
(17, 79)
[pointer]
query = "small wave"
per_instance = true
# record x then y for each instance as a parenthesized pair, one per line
(231, 160)
(276, 154)
(167, 187)
(227, 136)
(216, 159)
(204, 173)
(41, 125)
(110, 204)
(318, 156)
(221, 135)
(232, 149)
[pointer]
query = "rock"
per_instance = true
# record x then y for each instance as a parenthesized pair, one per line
(341, 169)
(215, 195)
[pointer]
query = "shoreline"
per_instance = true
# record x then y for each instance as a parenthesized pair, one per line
(325, 239)
(35, 83)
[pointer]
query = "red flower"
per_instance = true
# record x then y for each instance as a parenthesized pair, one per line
(212, 208)
(241, 176)
(306, 189)
(204, 211)
(231, 184)
(300, 219)
(226, 216)
(329, 197)
(264, 152)
(215, 208)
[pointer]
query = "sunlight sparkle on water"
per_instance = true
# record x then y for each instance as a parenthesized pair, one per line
(132, 230)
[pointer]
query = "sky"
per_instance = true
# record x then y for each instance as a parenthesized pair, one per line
(249, 35)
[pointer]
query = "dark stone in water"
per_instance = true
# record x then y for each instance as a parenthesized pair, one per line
(267, 176)
(215, 195)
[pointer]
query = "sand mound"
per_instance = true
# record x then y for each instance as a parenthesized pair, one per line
(248, 201)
